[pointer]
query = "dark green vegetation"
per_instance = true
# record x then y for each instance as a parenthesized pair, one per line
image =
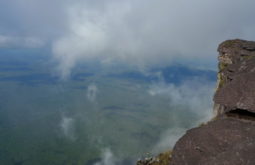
(45, 121)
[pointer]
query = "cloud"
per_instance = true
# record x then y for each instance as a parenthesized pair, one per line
(145, 33)
(107, 158)
(140, 33)
(67, 127)
(195, 93)
(20, 42)
(168, 139)
(92, 91)
(194, 96)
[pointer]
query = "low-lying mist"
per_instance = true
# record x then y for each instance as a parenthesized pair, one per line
(102, 117)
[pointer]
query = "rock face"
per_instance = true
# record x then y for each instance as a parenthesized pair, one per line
(236, 89)
(229, 139)
(226, 141)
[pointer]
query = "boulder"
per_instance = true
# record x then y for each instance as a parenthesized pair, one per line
(225, 141)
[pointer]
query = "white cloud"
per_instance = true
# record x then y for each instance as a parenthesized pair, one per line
(107, 158)
(67, 127)
(92, 91)
(20, 42)
(150, 32)
(194, 96)
(168, 139)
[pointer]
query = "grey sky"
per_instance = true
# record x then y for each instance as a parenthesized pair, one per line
(141, 33)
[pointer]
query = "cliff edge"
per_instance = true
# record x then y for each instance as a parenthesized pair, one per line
(229, 138)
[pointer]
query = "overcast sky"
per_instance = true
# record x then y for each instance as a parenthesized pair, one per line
(139, 32)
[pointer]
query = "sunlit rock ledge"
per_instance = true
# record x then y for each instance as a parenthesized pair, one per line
(229, 138)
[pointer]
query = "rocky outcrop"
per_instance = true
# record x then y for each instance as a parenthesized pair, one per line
(225, 141)
(229, 139)
(236, 89)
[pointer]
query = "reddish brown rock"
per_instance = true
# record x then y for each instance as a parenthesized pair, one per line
(237, 76)
(235, 51)
(230, 138)
(225, 141)
(238, 94)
